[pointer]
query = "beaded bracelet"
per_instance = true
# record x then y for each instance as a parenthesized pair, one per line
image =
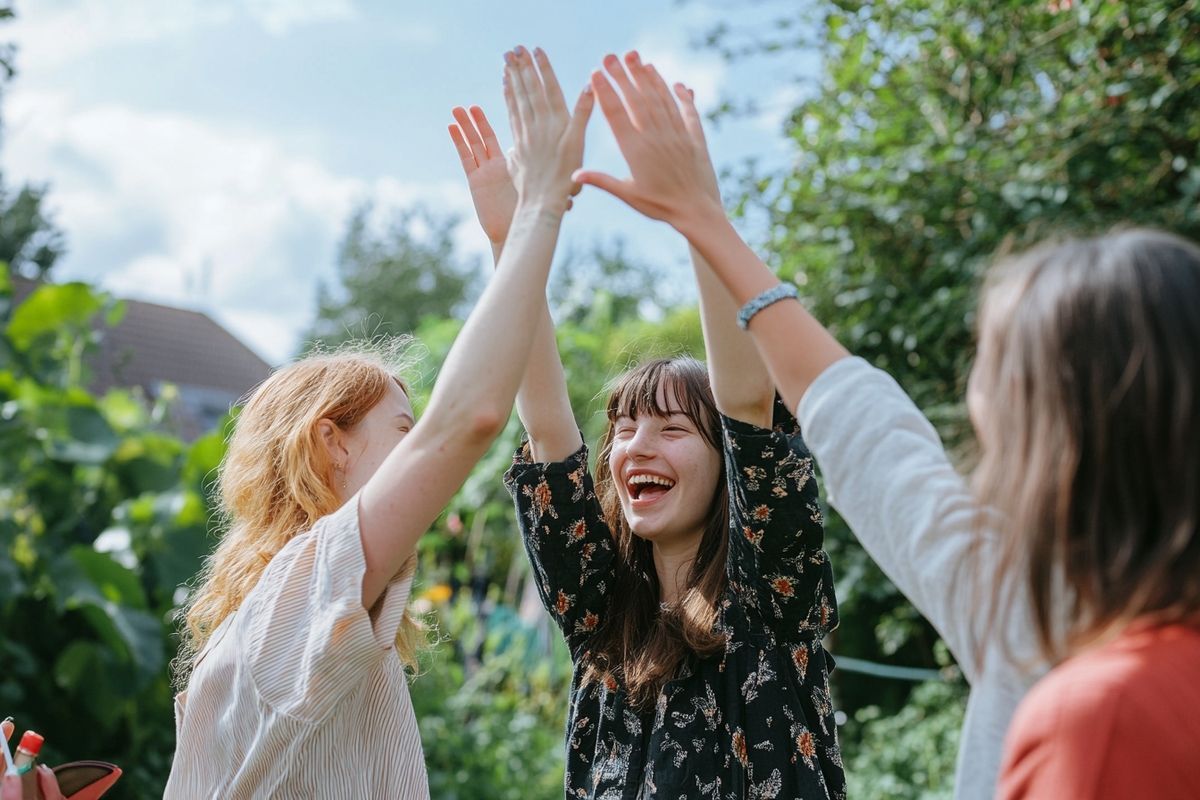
(757, 303)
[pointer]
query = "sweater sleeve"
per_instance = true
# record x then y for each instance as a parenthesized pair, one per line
(776, 563)
(888, 475)
(569, 545)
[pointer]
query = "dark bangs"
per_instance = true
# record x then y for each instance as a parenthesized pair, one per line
(683, 379)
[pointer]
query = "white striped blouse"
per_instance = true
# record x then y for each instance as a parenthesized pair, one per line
(300, 693)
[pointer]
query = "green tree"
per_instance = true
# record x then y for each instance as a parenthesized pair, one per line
(102, 519)
(389, 282)
(936, 134)
(30, 242)
(605, 279)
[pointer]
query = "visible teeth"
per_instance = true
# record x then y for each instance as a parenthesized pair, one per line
(640, 479)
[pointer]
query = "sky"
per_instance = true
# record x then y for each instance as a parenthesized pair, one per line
(207, 153)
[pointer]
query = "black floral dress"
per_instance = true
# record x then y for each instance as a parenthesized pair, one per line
(753, 722)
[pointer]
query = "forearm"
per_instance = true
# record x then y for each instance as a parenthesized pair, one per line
(741, 385)
(794, 345)
(481, 374)
(469, 406)
(542, 399)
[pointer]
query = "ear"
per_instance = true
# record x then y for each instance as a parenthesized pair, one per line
(334, 440)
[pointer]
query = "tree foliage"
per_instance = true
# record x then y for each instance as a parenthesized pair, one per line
(102, 519)
(30, 242)
(389, 282)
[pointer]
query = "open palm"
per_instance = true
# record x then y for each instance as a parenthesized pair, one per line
(492, 189)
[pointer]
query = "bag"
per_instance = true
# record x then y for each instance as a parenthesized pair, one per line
(77, 780)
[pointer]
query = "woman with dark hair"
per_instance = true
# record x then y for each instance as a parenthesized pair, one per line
(688, 578)
(1079, 545)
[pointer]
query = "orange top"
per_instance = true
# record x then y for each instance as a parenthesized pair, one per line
(1119, 721)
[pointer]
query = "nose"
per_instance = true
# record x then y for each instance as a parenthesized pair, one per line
(641, 443)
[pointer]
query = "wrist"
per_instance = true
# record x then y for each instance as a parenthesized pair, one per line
(538, 207)
(706, 216)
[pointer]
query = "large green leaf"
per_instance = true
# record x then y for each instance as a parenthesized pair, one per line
(97, 680)
(87, 438)
(51, 308)
(111, 599)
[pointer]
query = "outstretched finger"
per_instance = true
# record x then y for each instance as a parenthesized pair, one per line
(633, 96)
(532, 83)
(691, 116)
(469, 164)
(485, 130)
(520, 91)
(639, 73)
(510, 100)
(467, 126)
(554, 92)
(579, 120)
(611, 105)
(666, 101)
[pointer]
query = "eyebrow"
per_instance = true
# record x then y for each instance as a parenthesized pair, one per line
(406, 418)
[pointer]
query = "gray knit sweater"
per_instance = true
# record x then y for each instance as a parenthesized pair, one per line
(887, 474)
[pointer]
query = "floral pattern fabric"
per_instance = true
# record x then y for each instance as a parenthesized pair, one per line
(753, 722)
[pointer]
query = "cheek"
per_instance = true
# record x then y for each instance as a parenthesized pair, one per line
(705, 468)
(616, 456)
(378, 450)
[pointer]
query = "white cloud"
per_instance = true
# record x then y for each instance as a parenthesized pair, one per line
(279, 16)
(53, 34)
(163, 207)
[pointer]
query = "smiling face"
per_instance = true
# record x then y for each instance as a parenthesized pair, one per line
(665, 471)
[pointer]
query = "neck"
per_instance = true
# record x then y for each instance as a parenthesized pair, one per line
(673, 562)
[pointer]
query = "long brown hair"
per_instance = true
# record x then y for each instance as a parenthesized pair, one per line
(642, 644)
(276, 481)
(1090, 362)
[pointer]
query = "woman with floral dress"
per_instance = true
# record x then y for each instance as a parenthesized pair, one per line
(688, 577)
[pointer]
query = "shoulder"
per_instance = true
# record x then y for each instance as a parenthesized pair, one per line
(1087, 704)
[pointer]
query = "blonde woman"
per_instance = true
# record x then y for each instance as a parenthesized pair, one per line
(296, 640)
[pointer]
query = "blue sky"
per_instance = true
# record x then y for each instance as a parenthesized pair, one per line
(206, 153)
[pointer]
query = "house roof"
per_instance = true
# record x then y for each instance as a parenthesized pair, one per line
(153, 344)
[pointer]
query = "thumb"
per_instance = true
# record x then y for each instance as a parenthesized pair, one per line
(48, 784)
(622, 190)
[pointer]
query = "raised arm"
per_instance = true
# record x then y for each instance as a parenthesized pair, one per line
(474, 392)
(741, 384)
(542, 400)
(670, 182)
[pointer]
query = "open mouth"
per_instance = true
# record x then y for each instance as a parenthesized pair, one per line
(645, 487)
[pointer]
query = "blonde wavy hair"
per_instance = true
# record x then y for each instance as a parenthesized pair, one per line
(277, 480)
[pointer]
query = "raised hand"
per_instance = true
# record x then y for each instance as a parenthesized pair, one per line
(548, 141)
(662, 141)
(492, 189)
